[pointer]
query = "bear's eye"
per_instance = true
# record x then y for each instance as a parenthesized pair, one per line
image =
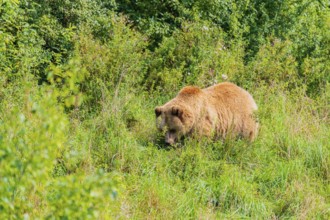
(172, 130)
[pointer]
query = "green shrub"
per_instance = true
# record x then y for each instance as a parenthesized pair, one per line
(273, 66)
(197, 55)
(115, 67)
(32, 136)
(86, 196)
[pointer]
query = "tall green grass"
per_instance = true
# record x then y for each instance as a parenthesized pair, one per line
(283, 174)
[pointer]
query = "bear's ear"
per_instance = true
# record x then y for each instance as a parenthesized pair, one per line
(158, 111)
(177, 112)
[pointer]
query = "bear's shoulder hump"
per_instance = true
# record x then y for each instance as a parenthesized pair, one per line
(190, 90)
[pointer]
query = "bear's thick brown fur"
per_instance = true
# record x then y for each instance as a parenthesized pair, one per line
(221, 111)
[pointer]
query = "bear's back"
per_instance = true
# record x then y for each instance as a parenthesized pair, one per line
(234, 107)
(229, 95)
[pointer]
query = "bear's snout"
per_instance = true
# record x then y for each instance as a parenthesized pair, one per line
(170, 138)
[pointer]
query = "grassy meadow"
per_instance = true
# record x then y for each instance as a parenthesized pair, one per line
(79, 81)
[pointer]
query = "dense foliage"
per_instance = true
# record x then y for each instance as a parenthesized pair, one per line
(79, 80)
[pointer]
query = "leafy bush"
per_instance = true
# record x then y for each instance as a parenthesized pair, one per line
(32, 136)
(80, 197)
(115, 66)
(196, 55)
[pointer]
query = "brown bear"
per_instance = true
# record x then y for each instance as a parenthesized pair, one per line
(220, 111)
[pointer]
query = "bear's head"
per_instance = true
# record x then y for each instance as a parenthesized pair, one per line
(175, 120)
